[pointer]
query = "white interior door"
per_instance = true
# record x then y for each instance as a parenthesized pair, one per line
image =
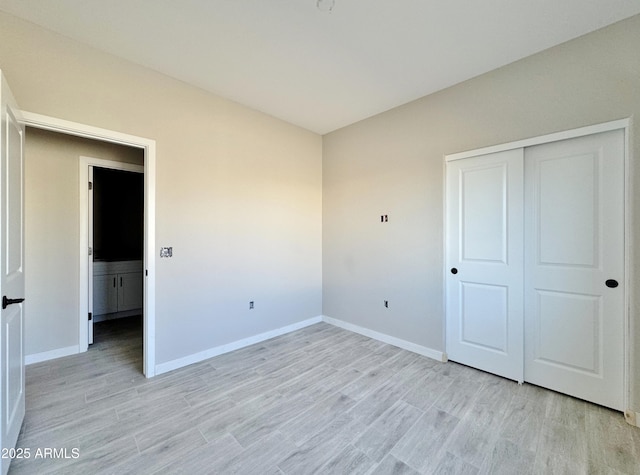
(12, 287)
(574, 322)
(90, 252)
(485, 262)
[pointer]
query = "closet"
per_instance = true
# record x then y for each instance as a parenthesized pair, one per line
(535, 264)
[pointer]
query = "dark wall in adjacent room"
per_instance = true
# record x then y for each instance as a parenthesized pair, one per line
(118, 207)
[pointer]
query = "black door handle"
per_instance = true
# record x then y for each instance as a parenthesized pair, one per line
(611, 283)
(6, 302)
(454, 270)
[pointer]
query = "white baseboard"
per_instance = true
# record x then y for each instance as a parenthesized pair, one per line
(50, 355)
(235, 345)
(405, 345)
(632, 417)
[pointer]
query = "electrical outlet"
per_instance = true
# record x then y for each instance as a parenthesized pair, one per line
(251, 305)
(166, 251)
(386, 304)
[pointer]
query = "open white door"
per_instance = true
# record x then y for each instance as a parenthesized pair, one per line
(12, 403)
(91, 252)
(485, 262)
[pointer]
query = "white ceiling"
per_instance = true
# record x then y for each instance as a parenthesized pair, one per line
(322, 70)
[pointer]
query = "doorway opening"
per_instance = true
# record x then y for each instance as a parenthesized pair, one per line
(147, 146)
(115, 227)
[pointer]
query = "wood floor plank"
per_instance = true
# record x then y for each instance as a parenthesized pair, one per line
(507, 458)
(421, 446)
(428, 388)
(489, 407)
(333, 383)
(204, 459)
(142, 409)
(217, 426)
(218, 383)
(350, 461)
(258, 385)
(566, 411)
(153, 432)
(392, 466)
(387, 430)
(555, 462)
(53, 415)
(523, 413)
(449, 464)
(263, 454)
(161, 455)
(380, 355)
(102, 457)
(472, 442)
(458, 398)
(313, 454)
(573, 442)
(250, 430)
(318, 400)
(377, 402)
(347, 356)
(305, 424)
(610, 443)
(176, 388)
(305, 382)
(71, 428)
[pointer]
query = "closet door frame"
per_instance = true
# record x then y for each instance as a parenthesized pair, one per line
(622, 124)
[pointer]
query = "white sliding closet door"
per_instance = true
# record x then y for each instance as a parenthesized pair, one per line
(535, 265)
(485, 262)
(574, 241)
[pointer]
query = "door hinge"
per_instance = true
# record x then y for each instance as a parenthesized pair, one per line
(90, 251)
(90, 316)
(90, 186)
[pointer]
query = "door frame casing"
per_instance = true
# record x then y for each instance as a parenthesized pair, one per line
(621, 124)
(148, 146)
(85, 222)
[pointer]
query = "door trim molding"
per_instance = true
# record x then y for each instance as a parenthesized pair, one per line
(77, 129)
(85, 281)
(543, 139)
(621, 124)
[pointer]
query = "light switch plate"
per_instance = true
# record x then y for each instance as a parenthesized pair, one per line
(166, 251)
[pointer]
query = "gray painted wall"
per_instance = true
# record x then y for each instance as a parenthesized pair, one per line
(238, 196)
(393, 164)
(52, 233)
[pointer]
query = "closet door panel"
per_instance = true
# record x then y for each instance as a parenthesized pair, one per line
(574, 243)
(485, 262)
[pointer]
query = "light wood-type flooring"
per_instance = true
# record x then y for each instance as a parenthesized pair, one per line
(319, 400)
